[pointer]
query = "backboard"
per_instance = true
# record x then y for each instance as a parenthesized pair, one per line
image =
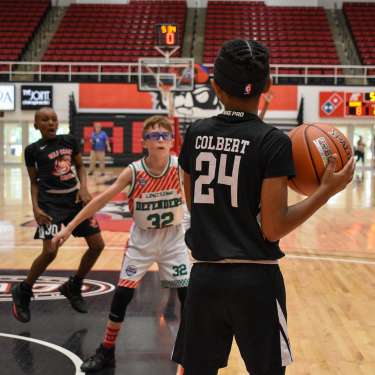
(175, 72)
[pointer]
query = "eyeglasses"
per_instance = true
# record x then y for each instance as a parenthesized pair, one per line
(155, 136)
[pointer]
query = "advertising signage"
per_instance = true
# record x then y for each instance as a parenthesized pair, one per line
(35, 97)
(7, 98)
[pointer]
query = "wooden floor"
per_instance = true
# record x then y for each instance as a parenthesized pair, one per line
(329, 272)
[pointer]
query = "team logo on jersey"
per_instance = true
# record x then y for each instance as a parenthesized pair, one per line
(142, 181)
(93, 222)
(247, 90)
(131, 270)
(46, 287)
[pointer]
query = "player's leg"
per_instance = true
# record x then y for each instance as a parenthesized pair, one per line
(139, 256)
(258, 311)
(22, 292)
(105, 353)
(174, 263)
(92, 162)
(89, 229)
(205, 335)
(101, 158)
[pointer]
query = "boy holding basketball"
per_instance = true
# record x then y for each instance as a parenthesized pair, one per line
(157, 235)
(239, 166)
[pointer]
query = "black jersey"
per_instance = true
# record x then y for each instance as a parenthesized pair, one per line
(228, 157)
(53, 160)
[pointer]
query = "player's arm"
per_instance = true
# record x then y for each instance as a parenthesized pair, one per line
(278, 219)
(40, 216)
(267, 100)
(107, 142)
(187, 188)
(94, 205)
(84, 194)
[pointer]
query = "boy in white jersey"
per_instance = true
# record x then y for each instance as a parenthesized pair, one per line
(157, 235)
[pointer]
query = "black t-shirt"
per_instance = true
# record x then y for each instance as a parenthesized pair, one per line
(53, 160)
(228, 157)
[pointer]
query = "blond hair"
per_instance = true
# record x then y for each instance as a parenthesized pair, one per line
(153, 121)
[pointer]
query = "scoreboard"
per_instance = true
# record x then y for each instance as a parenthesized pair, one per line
(336, 104)
(166, 35)
(360, 104)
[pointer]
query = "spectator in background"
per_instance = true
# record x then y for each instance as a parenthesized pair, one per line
(100, 142)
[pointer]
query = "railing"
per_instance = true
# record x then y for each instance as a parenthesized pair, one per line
(128, 72)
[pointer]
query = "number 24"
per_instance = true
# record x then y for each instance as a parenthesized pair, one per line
(232, 181)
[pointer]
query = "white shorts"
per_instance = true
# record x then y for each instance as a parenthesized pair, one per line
(166, 247)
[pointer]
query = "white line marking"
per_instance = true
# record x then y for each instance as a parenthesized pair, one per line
(75, 359)
(332, 259)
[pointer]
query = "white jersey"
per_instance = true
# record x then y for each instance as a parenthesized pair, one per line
(156, 201)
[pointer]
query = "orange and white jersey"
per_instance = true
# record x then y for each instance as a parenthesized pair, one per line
(156, 201)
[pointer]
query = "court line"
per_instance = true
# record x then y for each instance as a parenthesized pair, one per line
(331, 259)
(291, 256)
(74, 358)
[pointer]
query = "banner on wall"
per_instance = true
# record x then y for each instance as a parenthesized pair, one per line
(198, 103)
(7, 98)
(35, 97)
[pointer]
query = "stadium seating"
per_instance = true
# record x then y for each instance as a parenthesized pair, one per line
(18, 24)
(294, 35)
(360, 19)
(113, 33)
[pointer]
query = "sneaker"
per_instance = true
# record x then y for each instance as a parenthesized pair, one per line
(21, 301)
(72, 291)
(101, 359)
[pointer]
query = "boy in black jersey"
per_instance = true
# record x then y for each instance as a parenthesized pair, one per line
(57, 196)
(236, 169)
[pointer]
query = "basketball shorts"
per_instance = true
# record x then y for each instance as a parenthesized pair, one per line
(245, 301)
(62, 208)
(166, 247)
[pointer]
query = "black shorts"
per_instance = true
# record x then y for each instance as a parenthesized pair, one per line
(360, 155)
(246, 301)
(62, 208)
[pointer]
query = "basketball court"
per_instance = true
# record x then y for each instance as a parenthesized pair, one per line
(329, 268)
(329, 274)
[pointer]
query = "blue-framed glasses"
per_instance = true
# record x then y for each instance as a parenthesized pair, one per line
(156, 136)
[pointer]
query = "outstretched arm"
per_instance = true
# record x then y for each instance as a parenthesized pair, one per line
(94, 205)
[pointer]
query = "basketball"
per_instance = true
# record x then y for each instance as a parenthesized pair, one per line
(312, 145)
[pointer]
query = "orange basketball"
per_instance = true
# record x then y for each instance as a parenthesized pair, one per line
(313, 144)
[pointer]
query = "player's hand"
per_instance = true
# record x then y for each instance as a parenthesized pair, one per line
(333, 182)
(60, 237)
(268, 96)
(41, 217)
(84, 196)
